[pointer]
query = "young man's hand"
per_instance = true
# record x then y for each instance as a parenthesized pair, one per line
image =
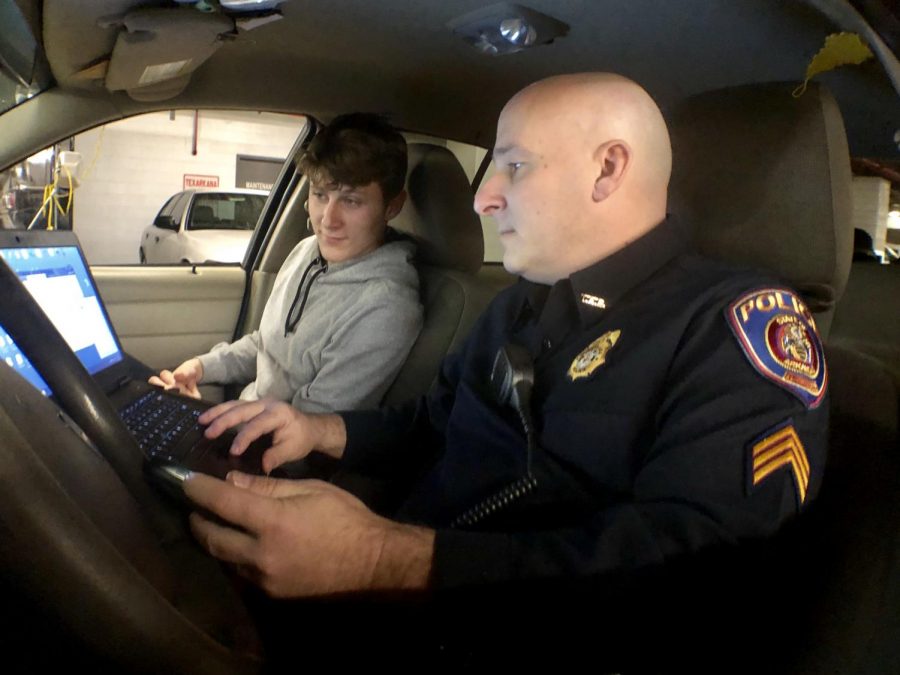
(184, 379)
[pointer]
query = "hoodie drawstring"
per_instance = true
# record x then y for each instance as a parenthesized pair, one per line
(289, 323)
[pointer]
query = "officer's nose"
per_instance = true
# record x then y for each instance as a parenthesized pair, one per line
(489, 199)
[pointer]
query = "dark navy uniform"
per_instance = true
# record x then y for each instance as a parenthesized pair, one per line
(678, 402)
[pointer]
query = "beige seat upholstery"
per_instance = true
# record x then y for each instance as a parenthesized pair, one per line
(764, 180)
(438, 214)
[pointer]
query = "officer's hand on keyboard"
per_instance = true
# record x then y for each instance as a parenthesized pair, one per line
(294, 434)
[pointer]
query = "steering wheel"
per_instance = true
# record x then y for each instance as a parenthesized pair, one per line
(94, 557)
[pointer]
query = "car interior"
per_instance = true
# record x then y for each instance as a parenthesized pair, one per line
(100, 570)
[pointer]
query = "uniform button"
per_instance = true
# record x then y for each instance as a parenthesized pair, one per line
(547, 344)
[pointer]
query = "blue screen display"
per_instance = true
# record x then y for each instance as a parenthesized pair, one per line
(58, 280)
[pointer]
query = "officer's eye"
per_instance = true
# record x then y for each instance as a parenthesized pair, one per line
(513, 167)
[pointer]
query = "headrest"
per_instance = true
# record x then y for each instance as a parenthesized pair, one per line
(202, 214)
(764, 180)
(438, 211)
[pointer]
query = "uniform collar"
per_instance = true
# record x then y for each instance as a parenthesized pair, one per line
(596, 288)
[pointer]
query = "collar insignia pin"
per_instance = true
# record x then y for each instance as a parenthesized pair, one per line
(593, 301)
(593, 356)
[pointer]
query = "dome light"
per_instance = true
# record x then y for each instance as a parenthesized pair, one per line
(518, 32)
(506, 28)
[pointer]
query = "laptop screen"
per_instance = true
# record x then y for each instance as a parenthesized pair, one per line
(59, 281)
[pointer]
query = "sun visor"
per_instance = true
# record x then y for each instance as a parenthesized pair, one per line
(158, 49)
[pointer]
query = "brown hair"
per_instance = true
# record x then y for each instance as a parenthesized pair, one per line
(357, 149)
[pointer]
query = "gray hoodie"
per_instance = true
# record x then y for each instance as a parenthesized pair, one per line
(356, 327)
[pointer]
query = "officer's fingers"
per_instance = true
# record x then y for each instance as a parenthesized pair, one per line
(227, 415)
(276, 488)
(284, 450)
(232, 504)
(224, 543)
(265, 422)
(155, 381)
(209, 415)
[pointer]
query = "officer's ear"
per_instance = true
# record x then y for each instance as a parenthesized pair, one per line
(613, 159)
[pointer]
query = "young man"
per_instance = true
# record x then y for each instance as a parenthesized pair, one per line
(649, 399)
(344, 310)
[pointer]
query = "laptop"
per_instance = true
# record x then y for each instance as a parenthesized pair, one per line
(52, 267)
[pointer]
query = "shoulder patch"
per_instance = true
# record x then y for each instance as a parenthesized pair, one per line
(778, 335)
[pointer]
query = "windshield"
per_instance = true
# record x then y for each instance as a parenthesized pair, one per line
(23, 69)
(224, 211)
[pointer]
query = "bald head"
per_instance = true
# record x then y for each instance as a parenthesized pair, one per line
(591, 109)
(592, 156)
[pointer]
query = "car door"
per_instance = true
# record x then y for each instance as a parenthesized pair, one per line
(166, 314)
(157, 231)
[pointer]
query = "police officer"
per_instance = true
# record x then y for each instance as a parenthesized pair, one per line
(678, 403)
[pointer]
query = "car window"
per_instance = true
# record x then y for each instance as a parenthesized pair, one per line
(179, 205)
(108, 184)
(169, 205)
(224, 211)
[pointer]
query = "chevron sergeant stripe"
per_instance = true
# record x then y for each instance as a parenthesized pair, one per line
(782, 448)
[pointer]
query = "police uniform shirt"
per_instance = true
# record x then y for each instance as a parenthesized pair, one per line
(679, 402)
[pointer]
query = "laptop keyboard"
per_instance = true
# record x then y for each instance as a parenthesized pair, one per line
(159, 422)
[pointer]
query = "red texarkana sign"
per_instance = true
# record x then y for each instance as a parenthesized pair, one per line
(192, 180)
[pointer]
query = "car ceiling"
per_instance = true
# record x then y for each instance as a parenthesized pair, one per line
(398, 57)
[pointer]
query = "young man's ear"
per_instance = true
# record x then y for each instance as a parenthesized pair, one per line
(612, 159)
(395, 206)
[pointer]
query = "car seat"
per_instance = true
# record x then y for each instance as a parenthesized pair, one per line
(201, 213)
(439, 215)
(764, 179)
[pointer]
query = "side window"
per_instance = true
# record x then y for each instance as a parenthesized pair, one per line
(169, 216)
(169, 206)
(179, 206)
(110, 183)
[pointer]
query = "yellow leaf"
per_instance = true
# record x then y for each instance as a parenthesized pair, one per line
(840, 49)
